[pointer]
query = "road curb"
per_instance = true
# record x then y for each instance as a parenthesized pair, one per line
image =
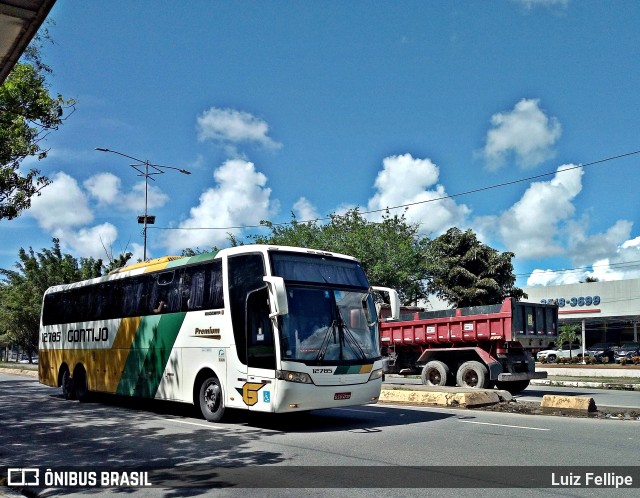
(578, 403)
(440, 398)
(20, 371)
(590, 385)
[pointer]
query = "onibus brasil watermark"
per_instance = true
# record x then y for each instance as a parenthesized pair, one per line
(50, 478)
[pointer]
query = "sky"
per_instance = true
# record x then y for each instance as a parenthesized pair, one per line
(517, 119)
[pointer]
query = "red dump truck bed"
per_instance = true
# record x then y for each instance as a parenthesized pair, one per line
(480, 346)
(533, 325)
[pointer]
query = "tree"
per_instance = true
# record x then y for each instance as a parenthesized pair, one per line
(21, 290)
(27, 114)
(569, 333)
(465, 272)
(391, 251)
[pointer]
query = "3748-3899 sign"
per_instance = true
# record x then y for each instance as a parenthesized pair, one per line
(573, 301)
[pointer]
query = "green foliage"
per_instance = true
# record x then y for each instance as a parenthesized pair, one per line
(466, 272)
(391, 251)
(27, 114)
(21, 290)
(569, 333)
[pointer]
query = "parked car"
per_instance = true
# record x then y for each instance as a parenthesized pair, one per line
(628, 351)
(602, 349)
(566, 351)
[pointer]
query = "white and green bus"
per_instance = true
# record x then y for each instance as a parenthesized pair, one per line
(264, 328)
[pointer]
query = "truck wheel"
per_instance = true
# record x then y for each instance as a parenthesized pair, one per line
(473, 374)
(435, 373)
(210, 399)
(514, 387)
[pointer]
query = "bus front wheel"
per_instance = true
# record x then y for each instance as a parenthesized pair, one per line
(211, 399)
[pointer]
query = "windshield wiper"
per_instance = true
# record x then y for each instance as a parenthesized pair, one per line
(325, 342)
(350, 339)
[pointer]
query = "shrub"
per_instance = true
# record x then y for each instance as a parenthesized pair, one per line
(635, 360)
(604, 359)
(623, 361)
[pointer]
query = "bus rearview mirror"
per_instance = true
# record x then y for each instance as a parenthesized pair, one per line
(277, 296)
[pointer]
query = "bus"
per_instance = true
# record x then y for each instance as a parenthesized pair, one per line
(263, 328)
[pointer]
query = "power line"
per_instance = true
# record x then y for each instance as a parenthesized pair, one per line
(451, 196)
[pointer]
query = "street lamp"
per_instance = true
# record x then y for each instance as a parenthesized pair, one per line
(148, 172)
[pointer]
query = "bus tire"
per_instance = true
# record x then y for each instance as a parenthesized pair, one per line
(435, 373)
(80, 388)
(211, 400)
(66, 383)
(473, 374)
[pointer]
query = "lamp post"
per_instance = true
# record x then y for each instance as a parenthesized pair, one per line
(148, 172)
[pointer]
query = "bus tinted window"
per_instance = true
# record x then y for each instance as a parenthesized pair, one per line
(183, 289)
(318, 269)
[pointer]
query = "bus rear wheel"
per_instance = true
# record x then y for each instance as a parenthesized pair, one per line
(211, 400)
(68, 390)
(80, 387)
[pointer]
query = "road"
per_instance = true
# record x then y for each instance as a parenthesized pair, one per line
(322, 448)
(601, 397)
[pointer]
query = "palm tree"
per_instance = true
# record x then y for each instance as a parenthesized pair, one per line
(569, 333)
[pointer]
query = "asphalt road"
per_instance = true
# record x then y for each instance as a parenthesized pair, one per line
(601, 397)
(310, 450)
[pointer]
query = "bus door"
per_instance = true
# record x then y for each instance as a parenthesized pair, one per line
(251, 374)
(261, 351)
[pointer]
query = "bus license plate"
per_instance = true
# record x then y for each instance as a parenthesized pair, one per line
(342, 396)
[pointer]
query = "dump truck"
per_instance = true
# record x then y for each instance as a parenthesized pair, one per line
(479, 346)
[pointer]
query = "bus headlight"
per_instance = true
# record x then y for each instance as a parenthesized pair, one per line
(376, 374)
(301, 377)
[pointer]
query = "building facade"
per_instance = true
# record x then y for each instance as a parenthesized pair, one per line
(608, 311)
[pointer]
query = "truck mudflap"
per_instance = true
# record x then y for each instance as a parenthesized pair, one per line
(508, 377)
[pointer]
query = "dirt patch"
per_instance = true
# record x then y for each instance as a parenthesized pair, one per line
(531, 408)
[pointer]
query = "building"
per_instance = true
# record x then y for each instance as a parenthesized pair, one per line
(19, 22)
(608, 311)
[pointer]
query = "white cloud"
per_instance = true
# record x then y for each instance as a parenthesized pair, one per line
(531, 227)
(304, 210)
(106, 189)
(134, 199)
(526, 132)
(62, 204)
(551, 277)
(229, 126)
(240, 198)
(531, 4)
(407, 180)
(89, 241)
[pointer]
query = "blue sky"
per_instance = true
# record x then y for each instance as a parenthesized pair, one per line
(319, 106)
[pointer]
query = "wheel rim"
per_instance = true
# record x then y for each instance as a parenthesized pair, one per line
(434, 377)
(470, 378)
(212, 397)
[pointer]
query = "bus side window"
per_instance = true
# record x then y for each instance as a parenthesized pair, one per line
(215, 297)
(197, 291)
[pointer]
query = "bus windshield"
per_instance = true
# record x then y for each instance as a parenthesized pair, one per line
(329, 326)
(318, 269)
